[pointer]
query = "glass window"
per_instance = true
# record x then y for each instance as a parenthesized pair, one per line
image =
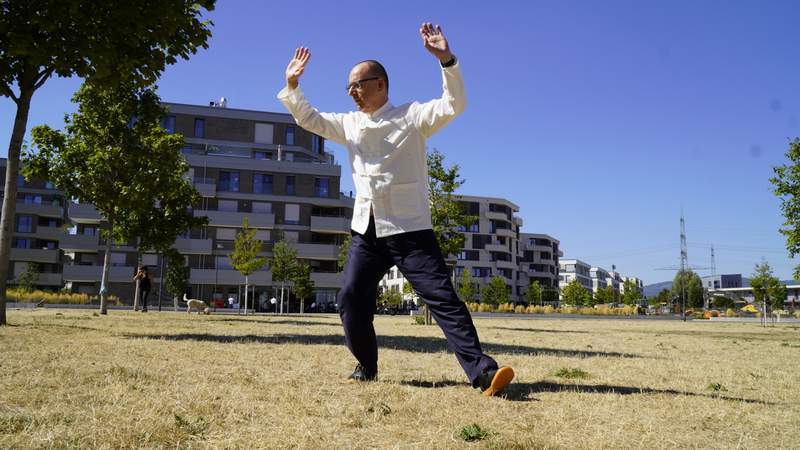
(321, 187)
(262, 155)
(264, 133)
(291, 236)
(289, 135)
(20, 180)
(186, 150)
(290, 185)
(228, 205)
(316, 144)
(199, 128)
(22, 243)
(49, 185)
(25, 224)
(292, 215)
(117, 259)
(29, 199)
(226, 234)
(168, 123)
(228, 181)
(224, 262)
(262, 207)
(262, 183)
(48, 245)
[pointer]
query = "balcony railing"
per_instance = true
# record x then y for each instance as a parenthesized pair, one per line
(193, 246)
(84, 213)
(116, 274)
(79, 242)
(322, 224)
(35, 255)
(235, 219)
(42, 209)
(206, 186)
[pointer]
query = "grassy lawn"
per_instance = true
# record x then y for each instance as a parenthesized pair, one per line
(70, 379)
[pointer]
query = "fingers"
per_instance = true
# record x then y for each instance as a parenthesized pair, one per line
(302, 54)
(427, 29)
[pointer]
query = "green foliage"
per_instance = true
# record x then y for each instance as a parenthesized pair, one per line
(282, 262)
(301, 279)
(27, 280)
(604, 295)
(446, 212)
(571, 374)
(549, 295)
(687, 283)
(575, 294)
(344, 249)
(473, 432)
(722, 301)
(466, 286)
(533, 295)
(177, 273)
(391, 297)
(766, 287)
(786, 185)
(663, 296)
(246, 248)
(419, 320)
(495, 292)
(631, 293)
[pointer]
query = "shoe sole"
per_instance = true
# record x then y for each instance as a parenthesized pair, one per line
(500, 381)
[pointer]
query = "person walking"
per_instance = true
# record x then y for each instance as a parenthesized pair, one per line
(391, 218)
(143, 276)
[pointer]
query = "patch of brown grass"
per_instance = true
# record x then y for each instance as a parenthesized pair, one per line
(169, 380)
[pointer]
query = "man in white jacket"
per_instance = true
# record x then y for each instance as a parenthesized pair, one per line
(391, 217)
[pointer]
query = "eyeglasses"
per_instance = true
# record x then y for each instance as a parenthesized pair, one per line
(358, 85)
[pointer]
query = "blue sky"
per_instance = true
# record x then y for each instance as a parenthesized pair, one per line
(601, 120)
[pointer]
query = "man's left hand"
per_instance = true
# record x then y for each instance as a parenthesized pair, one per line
(434, 41)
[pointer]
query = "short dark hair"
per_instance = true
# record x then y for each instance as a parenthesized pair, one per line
(376, 69)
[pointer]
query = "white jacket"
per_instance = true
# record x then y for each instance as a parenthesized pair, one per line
(387, 152)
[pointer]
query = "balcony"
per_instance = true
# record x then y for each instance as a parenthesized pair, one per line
(496, 248)
(539, 248)
(316, 251)
(228, 276)
(50, 233)
(507, 232)
(506, 265)
(116, 274)
(321, 224)
(235, 219)
(496, 215)
(35, 255)
(40, 209)
(536, 273)
(193, 246)
(206, 186)
(327, 279)
(84, 213)
(79, 243)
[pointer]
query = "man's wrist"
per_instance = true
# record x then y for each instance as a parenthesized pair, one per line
(449, 62)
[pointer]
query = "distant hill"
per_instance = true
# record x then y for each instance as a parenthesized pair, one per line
(651, 290)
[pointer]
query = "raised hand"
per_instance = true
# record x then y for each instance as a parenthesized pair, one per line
(434, 41)
(296, 66)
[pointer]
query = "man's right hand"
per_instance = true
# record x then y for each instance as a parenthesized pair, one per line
(296, 66)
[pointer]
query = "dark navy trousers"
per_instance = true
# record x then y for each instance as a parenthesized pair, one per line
(419, 258)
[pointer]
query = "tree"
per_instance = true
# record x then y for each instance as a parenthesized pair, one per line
(302, 282)
(244, 256)
(687, 289)
(408, 290)
(631, 293)
(27, 280)
(447, 214)
(767, 289)
(344, 249)
(533, 295)
(495, 292)
(281, 264)
(98, 41)
(663, 297)
(115, 155)
(466, 287)
(177, 275)
(604, 295)
(786, 184)
(575, 294)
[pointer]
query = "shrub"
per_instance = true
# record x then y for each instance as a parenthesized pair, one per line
(569, 309)
(710, 313)
(483, 307)
(472, 306)
(472, 433)
(22, 296)
(520, 309)
(419, 320)
(571, 374)
(505, 308)
(797, 314)
(534, 309)
(730, 313)
(548, 309)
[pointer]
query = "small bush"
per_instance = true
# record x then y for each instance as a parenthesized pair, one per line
(22, 296)
(473, 432)
(419, 320)
(797, 314)
(548, 309)
(505, 308)
(710, 313)
(716, 387)
(730, 313)
(483, 307)
(571, 374)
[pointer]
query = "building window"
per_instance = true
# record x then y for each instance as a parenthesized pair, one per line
(228, 181)
(292, 214)
(223, 262)
(262, 207)
(262, 183)
(262, 155)
(49, 185)
(32, 199)
(228, 205)
(20, 180)
(290, 185)
(316, 144)
(199, 128)
(264, 133)
(186, 150)
(481, 272)
(117, 259)
(22, 243)
(25, 224)
(321, 187)
(226, 234)
(48, 245)
(459, 271)
(168, 123)
(289, 135)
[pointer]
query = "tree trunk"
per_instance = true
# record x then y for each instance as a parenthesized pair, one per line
(136, 291)
(106, 269)
(281, 297)
(175, 302)
(10, 193)
(246, 289)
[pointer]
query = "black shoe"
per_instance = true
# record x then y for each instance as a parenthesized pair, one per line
(361, 374)
(494, 381)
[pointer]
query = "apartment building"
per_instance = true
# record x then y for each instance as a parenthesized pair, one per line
(37, 230)
(538, 261)
(252, 165)
(574, 269)
(638, 282)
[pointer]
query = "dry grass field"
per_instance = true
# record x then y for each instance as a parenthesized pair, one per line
(71, 379)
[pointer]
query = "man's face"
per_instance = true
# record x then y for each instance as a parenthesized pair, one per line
(371, 94)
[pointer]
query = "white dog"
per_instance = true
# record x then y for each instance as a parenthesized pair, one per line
(193, 303)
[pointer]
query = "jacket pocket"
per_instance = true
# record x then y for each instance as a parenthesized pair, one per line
(405, 200)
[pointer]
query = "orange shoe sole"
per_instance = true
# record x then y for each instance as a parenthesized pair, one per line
(500, 381)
